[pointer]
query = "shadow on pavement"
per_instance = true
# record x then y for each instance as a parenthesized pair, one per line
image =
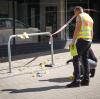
(33, 89)
(31, 55)
(25, 65)
(59, 80)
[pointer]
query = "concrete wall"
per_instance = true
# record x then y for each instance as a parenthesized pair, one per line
(62, 17)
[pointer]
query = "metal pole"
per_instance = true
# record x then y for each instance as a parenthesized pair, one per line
(13, 11)
(9, 51)
(41, 33)
(52, 51)
(9, 54)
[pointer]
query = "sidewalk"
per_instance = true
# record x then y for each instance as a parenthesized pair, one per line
(21, 83)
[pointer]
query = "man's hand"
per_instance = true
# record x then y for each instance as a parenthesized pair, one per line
(72, 43)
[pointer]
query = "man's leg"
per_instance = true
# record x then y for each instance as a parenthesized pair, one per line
(76, 65)
(76, 81)
(85, 63)
(82, 47)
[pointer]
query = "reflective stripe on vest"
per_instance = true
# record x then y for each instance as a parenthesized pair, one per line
(87, 26)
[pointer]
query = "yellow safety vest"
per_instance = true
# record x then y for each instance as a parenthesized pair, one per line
(87, 26)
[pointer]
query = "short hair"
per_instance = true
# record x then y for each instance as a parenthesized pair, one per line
(78, 8)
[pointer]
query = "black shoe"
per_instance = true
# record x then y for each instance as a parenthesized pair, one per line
(73, 84)
(85, 83)
(92, 72)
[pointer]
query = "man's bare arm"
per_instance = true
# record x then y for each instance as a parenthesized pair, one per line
(77, 30)
(92, 33)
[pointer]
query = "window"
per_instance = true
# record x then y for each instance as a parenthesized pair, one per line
(2, 24)
(51, 17)
(20, 25)
(8, 24)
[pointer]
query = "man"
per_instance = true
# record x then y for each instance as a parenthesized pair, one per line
(82, 37)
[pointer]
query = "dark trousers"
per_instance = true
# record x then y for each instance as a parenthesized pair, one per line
(83, 49)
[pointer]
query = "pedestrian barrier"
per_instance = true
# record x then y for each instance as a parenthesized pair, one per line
(26, 36)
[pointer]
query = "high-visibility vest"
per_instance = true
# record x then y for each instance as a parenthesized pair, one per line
(87, 26)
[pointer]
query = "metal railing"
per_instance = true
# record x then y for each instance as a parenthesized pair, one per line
(31, 34)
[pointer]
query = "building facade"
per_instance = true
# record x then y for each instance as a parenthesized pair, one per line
(46, 15)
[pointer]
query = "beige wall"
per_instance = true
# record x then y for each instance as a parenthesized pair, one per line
(62, 17)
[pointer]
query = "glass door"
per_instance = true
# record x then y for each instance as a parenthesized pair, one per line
(51, 19)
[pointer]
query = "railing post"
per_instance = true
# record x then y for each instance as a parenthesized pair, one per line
(9, 51)
(52, 50)
(9, 54)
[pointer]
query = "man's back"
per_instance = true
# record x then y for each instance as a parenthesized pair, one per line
(86, 17)
(86, 27)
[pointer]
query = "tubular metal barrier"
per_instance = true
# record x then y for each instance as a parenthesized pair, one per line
(31, 34)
